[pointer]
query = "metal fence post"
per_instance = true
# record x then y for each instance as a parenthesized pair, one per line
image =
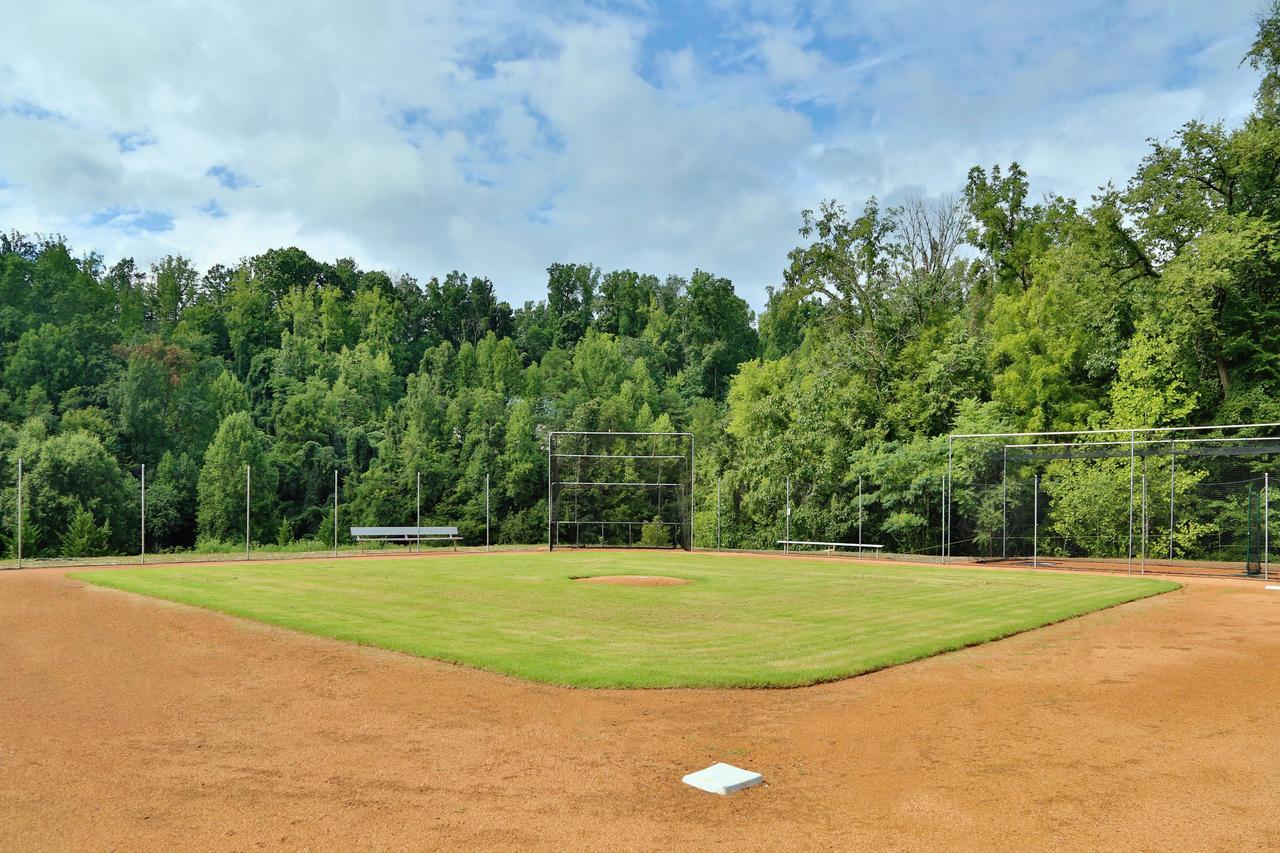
(142, 550)
(1132, 439)
(1173, 453)
(860, 549)
(1004, 503)
(19, 513)
(719, 480)
(946, 509)
(1143, 569)
(247, 469)
(486, 511)
(786, 537)
(417, 531)
(335, 512)
(1266, 526)
(1035, 522)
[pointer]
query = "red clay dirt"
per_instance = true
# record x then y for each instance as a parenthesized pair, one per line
(129, 723)
(634, 580)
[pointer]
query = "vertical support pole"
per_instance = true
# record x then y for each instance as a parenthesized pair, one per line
(19, 513)
(859, 515)
(942, 548)
(1143, 566)
(787, 524)
(1004, 503)
(335, 512)
(417, 531)
(1173, 448)
(946, 509)
(247, 469)
(486, 510)
(693, 503)
(719, 480)
(1266, 526)
(551, 437)
(1035, 522)
(142, 540)
(1132, 467)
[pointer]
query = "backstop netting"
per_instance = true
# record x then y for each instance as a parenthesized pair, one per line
(1194, 500)
(620, 490)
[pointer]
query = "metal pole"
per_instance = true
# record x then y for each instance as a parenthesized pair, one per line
(335, 512)
(1132, 467)
(718, 481)
(786, 546)
(859, 515)
(693, 504)
(550, 539)
(1035, 522)
(247, 469)
(1004, 505)
(1143, 567)
(19, 513)
(143, 540)
(486, 511)
(1172, 449)
(946, 522)
(1266, 525)
(417, 548)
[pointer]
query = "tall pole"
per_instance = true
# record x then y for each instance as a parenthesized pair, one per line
(335, 512)
(19, 513)
(247, 469)
(550, 539)
(718, 481)
(1035, 522)
(1004, 504)
(1143, 565)
(946, 509)
(1132, 435)
(142, 551)
(1172, 456)
(693, 503)
(859, 515)
(786, 544)
(1266, 526)
(417, 531)
(486, 511)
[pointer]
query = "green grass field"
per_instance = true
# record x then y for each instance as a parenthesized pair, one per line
(745, 621)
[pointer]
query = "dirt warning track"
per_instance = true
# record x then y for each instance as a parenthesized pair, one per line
(129, 723)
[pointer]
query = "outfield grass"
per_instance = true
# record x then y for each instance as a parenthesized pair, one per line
(745, 621)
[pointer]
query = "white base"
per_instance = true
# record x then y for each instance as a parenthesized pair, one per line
(723, 779)
(1274, 587)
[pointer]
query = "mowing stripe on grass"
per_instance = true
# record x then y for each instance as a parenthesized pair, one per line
(744, 621)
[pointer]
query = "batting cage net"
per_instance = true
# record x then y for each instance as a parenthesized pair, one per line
(1184, 499)
(620, 490)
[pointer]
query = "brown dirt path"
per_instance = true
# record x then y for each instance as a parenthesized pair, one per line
(129, 723)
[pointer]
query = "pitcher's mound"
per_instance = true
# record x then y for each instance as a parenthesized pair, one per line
(634, 580)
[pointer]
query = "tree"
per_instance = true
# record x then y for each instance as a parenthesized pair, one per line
(71, 474)
(172, 289)
(237, 446)
(45, 358)
(717, 334)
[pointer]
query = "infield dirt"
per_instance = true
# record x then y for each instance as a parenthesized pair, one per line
(131, 723)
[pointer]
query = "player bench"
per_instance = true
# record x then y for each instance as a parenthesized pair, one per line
(406, 535)
(829, 546)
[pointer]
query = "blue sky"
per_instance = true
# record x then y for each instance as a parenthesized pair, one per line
(662, 137)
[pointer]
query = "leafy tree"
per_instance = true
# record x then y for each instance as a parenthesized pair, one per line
(237, 446)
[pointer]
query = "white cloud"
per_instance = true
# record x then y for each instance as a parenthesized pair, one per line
(423, 137)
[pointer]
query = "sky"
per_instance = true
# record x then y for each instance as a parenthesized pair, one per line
(500, 137)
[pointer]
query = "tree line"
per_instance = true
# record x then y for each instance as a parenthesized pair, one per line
(1151, 304)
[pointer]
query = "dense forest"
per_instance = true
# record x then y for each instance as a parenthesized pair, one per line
(1153, 303)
